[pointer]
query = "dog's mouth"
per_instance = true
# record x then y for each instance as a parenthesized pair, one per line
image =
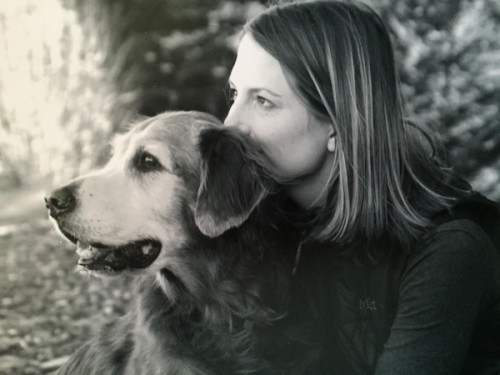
(99, 257)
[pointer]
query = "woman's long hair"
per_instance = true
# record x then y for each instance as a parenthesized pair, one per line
(387, 178)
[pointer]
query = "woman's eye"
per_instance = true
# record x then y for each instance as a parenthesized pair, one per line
(263, 102)
(145, 162)
(231, 95)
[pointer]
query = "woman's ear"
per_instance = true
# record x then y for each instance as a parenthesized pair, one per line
(331, 143)
(232, 182)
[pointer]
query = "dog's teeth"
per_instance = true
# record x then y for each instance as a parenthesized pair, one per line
(84, 253)
(83, 249)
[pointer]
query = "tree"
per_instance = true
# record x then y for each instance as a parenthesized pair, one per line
(449, 53)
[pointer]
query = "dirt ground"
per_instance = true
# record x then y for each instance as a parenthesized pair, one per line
(47, 309)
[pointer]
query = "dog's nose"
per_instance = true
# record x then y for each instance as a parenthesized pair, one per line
(60, 201)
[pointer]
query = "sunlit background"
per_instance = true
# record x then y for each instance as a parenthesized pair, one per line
(73, 72)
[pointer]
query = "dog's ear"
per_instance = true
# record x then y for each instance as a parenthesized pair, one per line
(233, 182)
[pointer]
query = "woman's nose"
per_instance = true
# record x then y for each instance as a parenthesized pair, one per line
(231, 118)
(236, 117)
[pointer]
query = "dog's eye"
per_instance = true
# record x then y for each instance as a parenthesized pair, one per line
(145, 162)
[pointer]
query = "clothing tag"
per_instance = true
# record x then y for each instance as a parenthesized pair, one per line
(367, 304)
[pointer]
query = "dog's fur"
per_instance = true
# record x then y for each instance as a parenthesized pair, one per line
(219, 296)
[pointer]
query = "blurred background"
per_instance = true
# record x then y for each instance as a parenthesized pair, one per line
(73, 72)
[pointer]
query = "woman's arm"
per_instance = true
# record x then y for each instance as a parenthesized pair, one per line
(443, 290)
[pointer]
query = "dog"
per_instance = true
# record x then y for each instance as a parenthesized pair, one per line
(189, 209)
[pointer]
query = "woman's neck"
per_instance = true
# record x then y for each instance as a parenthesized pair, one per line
(311, 191)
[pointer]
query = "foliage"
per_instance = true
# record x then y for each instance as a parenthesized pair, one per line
(449, 55)
(89, 67)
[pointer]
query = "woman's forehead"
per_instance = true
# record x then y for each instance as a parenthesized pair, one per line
(255, 67)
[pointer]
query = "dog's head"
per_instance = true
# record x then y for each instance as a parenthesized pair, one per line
(166, 174)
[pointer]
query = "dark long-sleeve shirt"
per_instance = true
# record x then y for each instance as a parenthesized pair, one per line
(434, 310)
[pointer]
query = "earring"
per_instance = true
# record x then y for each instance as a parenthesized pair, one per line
(331, 143)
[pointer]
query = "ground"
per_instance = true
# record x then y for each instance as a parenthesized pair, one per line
(47, 309)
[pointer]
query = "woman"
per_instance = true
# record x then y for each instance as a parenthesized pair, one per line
(398, 247)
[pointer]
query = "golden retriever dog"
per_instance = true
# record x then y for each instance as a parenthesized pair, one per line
(187, 208)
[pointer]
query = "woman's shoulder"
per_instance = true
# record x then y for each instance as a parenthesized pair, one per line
(464, 233)
(464, 239)
(474, 220)
(461, 233)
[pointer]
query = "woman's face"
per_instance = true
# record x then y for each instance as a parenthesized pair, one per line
(267, 108)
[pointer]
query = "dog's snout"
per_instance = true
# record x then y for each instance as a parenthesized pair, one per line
(61, 201)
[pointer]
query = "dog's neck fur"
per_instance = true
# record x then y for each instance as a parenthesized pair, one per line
(220, 317)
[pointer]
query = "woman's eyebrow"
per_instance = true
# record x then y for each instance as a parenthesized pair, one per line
(257, 89)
